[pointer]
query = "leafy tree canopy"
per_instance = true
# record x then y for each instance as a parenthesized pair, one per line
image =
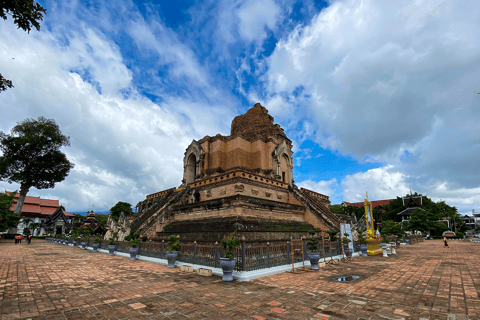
(32, 156)
(390, 227)
(8, 219)
(120, 207)
(101, 218)
(26, 14)
(78, 217)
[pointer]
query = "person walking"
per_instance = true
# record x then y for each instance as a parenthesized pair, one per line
(29, 239)
(445, 241)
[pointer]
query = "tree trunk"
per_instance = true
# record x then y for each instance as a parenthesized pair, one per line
(21, 199)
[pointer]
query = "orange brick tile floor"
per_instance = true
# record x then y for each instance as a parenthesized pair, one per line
(423, 281)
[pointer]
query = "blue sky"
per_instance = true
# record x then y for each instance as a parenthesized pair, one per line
(376, 96)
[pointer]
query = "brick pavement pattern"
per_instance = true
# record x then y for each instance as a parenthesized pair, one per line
(424, 281)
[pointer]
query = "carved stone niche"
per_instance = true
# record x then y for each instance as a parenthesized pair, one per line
(268, 194)
(208, 193)
(239, 188)
(279, 196)
(223, 192)
(193, 162)
(254, 192)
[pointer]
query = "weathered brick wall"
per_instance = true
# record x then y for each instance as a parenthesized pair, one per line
(255, 123)
(239, 209)
(238, 152)
(317, 224)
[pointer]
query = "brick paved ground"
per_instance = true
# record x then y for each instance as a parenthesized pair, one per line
(424, 281)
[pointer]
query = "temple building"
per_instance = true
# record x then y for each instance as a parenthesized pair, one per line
(411, 203)
(58, 223)
(241, 182)
(91, 222)
(38, 210)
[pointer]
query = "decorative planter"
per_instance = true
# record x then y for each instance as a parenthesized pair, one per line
(74, 243)
(84, 245)
(95, 247)
(171, 258)
(363, 249)
(133, 253)
(407, 241)
(314, 257)
(111, 250)
(227, 266)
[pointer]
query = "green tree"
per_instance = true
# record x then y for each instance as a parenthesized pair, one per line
(423, 221)
(390, 227)
(32, 156)
(26, 14)
(8, 219)
(337, 209)
(101, 218)
(438, 228)
(79, 218)
(120, 207)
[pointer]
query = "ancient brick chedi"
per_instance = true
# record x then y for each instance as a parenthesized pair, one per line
(241, 182)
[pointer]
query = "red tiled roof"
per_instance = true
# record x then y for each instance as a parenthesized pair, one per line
(37, 206)
(374, 203)
(49, 203)
(28, 208)
(47, 210)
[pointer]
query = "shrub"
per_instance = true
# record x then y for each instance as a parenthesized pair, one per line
(230, 243)
(173, 244)
(312, 242)
(112, 241)
(361, 239)
(134, 239)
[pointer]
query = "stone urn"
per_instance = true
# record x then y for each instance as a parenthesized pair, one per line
(227, 267)
(314, 257)
(133, 253)
(95, 247)
(111, 250)
(171, 258)
(363, 249)
(84, 244)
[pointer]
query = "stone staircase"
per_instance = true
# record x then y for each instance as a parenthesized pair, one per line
(317, 208)
(160, 209)
(361, 224)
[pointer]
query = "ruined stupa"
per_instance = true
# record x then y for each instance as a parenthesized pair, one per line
(241, 182)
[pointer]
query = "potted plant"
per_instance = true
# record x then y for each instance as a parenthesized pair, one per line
(112, 244)
(313, 256)
(96, 243)
(172, 254)
(134, 243)
(84, 242)
(363, 244)
(228, 262)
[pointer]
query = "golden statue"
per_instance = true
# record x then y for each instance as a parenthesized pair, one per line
(373, 242)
